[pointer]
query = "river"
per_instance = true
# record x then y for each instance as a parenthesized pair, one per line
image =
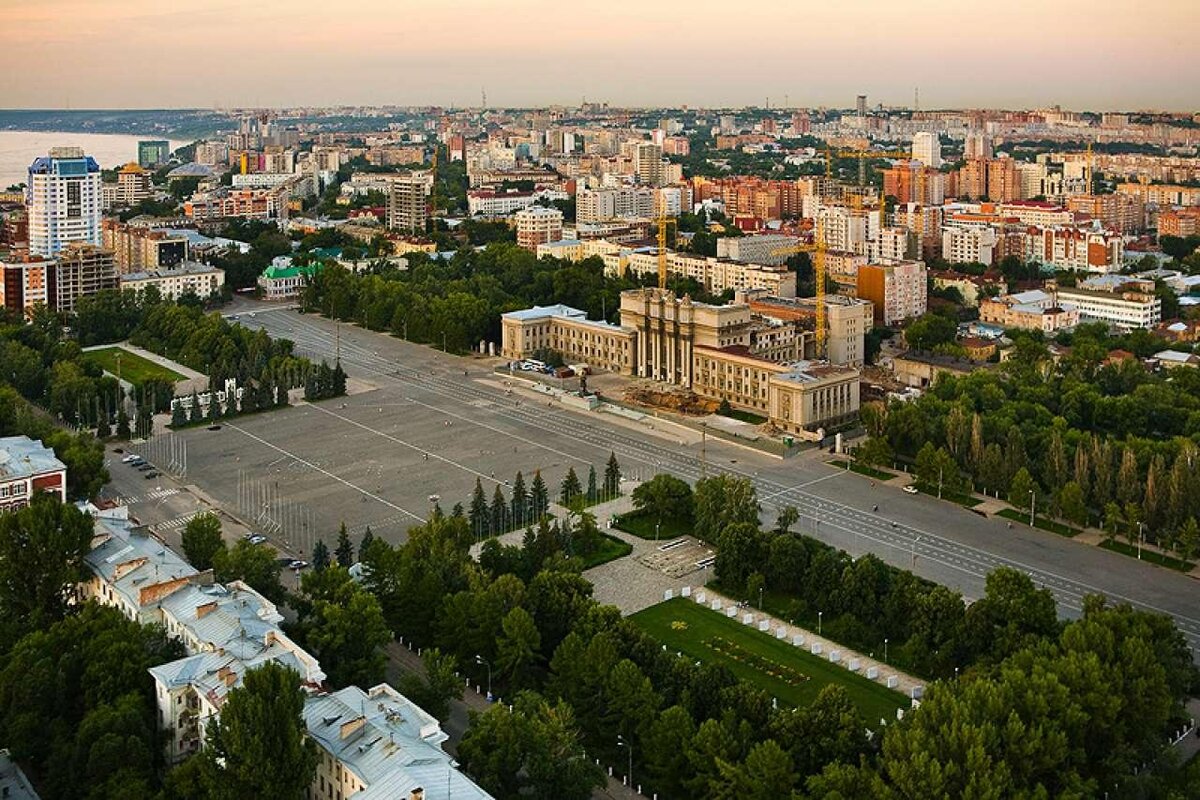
(18, 149)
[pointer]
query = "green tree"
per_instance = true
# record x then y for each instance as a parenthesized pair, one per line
(178, 416)
(498, 514)
(344, 552)
(877, 451)
(592, 493)
(259, 745)
(320, 555)
(202, 540)
(1114, 520)
(439, 685)
(612, 476)
(1022, 490)
(41, 561)
(344, 627)
(195, 413)
(721, 501)
(570, 489)
(785, 519)
(665, 750)
(520, 502)
(364, 543)
(664, 497)
(766, 774)
(253, 563)
(1070, 501)
(539, 498)
(478, 515)
(123, 431)
(517, 647)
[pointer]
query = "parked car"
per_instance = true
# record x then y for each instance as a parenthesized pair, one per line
(257, 538)
(143, 466)
(214, 427)
(910, 489)
(298, 565)
(118, 450)
(130, 459)
(150, 474)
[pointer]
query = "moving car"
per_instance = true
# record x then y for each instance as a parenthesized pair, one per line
(298, 565)
(910, 489)
(257, 538)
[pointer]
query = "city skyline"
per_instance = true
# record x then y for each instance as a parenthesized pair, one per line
(671, 54)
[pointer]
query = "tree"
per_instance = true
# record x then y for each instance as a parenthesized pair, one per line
(498, 514)
(785, 519)
(253, 563)
(877, 451)
(344, 552)
(202, 540)
(478, 515)
(123, 431)
(1114, 520)
(1070, 501)
(517, 647)
(539, 498)
(766, 774)
(259, 745)
(665, 748)
(195, 413)
(364, 543)
(592, 493)
(178, 416)
(721, 501)
(320, 555)
(612, 476)
(520, 501)
(344, 627)
(1022, 490)
(570, 489)
(664, 497)
(440, 685)
(41, 561)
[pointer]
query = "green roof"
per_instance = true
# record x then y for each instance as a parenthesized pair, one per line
(274, 272)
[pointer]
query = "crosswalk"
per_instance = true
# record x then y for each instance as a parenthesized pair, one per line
(177, 522)
(159, 494)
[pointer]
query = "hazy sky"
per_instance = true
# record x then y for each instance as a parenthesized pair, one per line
(1101, 54)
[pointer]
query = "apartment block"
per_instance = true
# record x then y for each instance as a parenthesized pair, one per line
(716, 275)
(897, 291)
(79, 271)
(969, 245)
(765, 248)
(408, 204)
(538, 225)
(187, 277)
(64, 200)
(1032, 310)
(137, 247)
(1122, 213)
(1127, 303)
(1181, 222)
(1076, 249)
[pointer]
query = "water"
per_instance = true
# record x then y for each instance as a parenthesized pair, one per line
(18, 149)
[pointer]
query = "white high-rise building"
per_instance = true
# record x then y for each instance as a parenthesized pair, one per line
(64, 197)
(927, 148)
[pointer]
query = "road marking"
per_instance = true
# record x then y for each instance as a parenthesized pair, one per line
(325, 472)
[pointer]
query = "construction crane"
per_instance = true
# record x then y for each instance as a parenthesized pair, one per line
(865, 155)
(661, 221)
(818, 249)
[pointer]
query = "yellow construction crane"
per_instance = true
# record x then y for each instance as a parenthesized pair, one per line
(864, 156)
(818, 262)
(661, 221)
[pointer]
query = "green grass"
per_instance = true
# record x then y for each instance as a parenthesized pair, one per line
(1148, 555)
(752, 655)
(1039, 522)
(611, 549)
(862, 469)
(643, 526)
(134, 368)
(964, 500)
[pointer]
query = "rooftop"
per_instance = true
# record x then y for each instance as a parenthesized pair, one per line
(388, 742)
(22, 457)
(179, 270)
(13, 783)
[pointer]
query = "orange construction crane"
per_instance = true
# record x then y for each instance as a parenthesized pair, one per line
(818, 249)
(864, 156)
(661, 221)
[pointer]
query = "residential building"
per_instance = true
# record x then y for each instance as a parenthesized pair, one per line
(81, 270)
(765, 248)
(1124, 302)
(221, 203)
(538, 225)
(1172, 359)
(64, 200)
(26, 281)
(1181, 222)
(897, 291)
(1076, 249)
(648, 164)
(1041, 213)
(186, 277)
(26, 467)
(283, 280)
(1122, 213)
(569, 332)
(847, 321)
(138, 247)
(716, 275)
(973, 245)
(627, 202)
(1003, 182)
(1032, 310)
(491, 203)
(920, 370)
(133, 184)
(153, 153)
(408, 204)
(927, 148)
(379, 745)
(977, 145)
(13, 783)
(1162, 194)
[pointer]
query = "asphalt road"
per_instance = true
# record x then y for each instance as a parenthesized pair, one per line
(423, 404)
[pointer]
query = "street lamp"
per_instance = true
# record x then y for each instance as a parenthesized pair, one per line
(622, 742)
(820, 614)
(1140, 537)
(760, 598)
(481, 660)
(1032, 506)
(885, 649)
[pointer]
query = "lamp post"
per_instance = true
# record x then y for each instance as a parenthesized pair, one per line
(622, 742)
(760, 598)
(1140, 538)
(820, 614)
(1032, 506)
(481, 660)
(885, 649)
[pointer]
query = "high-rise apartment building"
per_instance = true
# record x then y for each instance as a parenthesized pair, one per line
(133, 184)
(927, 148)
(538, 225)
(153, 152)
(977, 145)
(897, 291)
(860, 105)
(64, 198)
(648, 163)
(408, 206)
(1003, 181)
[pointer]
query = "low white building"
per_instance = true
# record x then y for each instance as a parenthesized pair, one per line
(1117, 299)
(174, 282)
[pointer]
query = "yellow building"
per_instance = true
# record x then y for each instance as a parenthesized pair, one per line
(569, 332)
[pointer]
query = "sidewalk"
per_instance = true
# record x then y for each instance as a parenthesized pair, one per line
(908, 685)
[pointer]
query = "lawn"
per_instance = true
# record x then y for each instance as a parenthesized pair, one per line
(1148, 555)
(744, 416)
(787, 672)
(1039, 522)
(611, 549)
(643, 526)
(862, 469)
(134, 368)
(964, 500)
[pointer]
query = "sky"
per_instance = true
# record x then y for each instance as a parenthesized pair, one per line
(1097, 55)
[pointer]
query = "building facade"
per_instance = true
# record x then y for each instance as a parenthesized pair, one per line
(27, 467)
(896, 291)
(64, 199)
(408, 204)
(569, 332)
(538, 225)
(174, 282)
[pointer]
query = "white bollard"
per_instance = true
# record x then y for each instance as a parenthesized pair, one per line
(854, 665)
(815, 649)
(835, 656)
(798, 640)
(731, 612)
(764, 625)
(892, 681)
(872, 672)
(781, 633)
(715, 605)
(668, 594)
(701, 598)
(747, 619)
(685, 591)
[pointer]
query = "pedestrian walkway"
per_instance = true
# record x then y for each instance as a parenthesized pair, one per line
(178, 522)
(814, 643)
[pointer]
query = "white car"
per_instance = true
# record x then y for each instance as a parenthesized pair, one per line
(910, 489)
(129, 459)
(257, 539)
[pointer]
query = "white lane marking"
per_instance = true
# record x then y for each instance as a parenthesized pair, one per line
(325, 472)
